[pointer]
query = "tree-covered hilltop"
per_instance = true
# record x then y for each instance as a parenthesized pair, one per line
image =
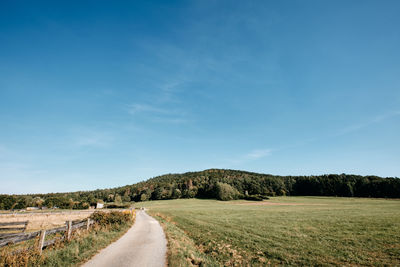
(216, 183)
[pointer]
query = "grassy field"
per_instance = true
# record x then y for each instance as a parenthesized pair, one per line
(282, 230)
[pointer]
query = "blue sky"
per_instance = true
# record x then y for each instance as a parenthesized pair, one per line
(97, 94)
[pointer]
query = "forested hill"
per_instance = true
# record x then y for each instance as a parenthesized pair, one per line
(216, 183)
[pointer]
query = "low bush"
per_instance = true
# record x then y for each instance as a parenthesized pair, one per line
(226, 192)
(111, 218)
(25, 257)
(257, 197)
(117, 206)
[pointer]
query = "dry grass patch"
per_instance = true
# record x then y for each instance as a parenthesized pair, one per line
(40, 220)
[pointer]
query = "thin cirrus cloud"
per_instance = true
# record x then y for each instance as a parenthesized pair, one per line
(158, 114)
(95, 140)
(253, 155)
(258, 153)
(372, 121)
(170, 120)
(134, 109)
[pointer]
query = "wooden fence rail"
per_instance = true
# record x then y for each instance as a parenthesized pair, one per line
(4, 226)
(14, 238)
(12, 223)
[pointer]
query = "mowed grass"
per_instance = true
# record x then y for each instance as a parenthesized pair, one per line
(281, 231)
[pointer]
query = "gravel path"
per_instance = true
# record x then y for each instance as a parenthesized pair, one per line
(143, 245)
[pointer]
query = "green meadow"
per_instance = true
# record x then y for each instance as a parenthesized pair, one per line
(280, 231)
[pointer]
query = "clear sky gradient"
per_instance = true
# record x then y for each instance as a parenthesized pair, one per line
(97, 94)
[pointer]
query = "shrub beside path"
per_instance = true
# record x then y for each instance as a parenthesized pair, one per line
(143, 245)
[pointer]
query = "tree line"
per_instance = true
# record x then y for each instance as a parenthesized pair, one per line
(215, 183)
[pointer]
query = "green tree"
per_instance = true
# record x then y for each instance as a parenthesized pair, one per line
(118, 199)
(176, 193)
(226, 192)
(126, 198)
(38, 202)
(143, 197)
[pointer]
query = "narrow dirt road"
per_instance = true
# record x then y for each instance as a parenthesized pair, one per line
(143, 245)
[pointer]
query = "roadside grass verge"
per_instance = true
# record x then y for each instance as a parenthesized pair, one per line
(182, 251)
(83, 245)
(290, 231)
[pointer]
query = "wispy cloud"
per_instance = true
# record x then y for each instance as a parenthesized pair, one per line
(341, 132)
(145, 108)
(92, 139)
(173, 85)
(158, 113)
(371, 121)
(252, 155)
(258, 153)
(170, 89)
(170, 120)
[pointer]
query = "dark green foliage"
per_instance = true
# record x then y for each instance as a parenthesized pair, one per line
(161, 193)
(8, 202)
(81, 205)
(203, 185)
(117, 206)
(60, 202)
(110, 218)
(255, 197)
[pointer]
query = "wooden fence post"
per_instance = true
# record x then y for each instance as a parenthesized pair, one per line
(69, 230)
(87, 224)
(26, 225)
(41, 240)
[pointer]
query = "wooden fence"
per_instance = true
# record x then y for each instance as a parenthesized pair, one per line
(13, 226)
(14, 238)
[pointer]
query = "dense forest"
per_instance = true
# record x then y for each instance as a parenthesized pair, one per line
(215, 183)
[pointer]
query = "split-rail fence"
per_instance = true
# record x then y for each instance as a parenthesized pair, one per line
(14, 238)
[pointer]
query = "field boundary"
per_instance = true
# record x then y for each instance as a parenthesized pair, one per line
(21, 213)
(10, 239)
(15, 226)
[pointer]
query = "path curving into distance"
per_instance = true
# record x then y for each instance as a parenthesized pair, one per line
(144, 245)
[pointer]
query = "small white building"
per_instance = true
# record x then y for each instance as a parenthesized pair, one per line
(99, 206)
